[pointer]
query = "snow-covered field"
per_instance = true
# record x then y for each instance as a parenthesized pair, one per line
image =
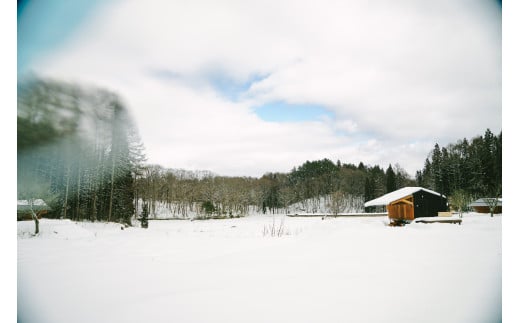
(333, 270)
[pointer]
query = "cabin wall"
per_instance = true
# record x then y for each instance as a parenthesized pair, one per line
(428, 205)
(27, 215)
(485, 209)
(400, 211)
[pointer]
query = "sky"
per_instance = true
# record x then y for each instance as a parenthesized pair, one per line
(241, 88)
(368, 56)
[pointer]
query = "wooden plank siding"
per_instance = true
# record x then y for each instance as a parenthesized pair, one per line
(485, 209)
(401, 209)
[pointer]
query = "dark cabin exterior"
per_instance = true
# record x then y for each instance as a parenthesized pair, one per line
(427, 204)
(409, 203)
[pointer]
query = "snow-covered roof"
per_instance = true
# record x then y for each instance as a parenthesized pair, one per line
(395, 195)
(35, 202)
(38, 204)
(482, 201)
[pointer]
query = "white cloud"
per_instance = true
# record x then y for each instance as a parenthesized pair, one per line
(400, 74)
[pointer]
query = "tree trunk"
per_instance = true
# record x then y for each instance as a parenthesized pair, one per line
(66, 194)
(111, 188)
(136, 196)
(78, 193)
(35, 218)
(94, 208)
(36, 224)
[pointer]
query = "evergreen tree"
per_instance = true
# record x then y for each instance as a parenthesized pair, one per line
(390, 179)
(467, 167)
(80, 146)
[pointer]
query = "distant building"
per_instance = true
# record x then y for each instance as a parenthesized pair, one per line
(482, 205)
(24, 209)
(409, 203)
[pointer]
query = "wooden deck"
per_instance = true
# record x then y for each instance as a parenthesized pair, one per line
(439, 220)
(305, 215)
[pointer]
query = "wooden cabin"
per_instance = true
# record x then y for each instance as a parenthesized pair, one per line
(24, 209)
(409, 203)
(482, 205)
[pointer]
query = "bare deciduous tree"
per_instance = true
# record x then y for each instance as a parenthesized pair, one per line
(337, 203)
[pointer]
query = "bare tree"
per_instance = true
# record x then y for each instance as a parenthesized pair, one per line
(492, 203)
(337, 202)
(38, 195)
(460, 200)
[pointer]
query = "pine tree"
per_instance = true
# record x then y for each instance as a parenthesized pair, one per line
(390, 179)
(471, 166)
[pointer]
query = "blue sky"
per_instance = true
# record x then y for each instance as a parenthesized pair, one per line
(44, 25)
(233, 90)
(212, 82)
(284, 112)
(230, 88)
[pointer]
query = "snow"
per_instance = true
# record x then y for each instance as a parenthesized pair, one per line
(35, 202)
(334, 270)
(395, 195)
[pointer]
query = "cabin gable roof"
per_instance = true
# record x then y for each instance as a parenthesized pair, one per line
(38, 205)
(483, 202)
(396, 195)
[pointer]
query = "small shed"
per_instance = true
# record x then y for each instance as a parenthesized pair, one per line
(409, 203)
(24, 209)
(482, 205)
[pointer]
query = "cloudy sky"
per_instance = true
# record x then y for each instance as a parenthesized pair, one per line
(247, 87)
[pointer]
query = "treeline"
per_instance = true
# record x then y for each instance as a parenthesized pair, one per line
(471, 169)
(338, 185)
(462, 171)
(78, 150)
